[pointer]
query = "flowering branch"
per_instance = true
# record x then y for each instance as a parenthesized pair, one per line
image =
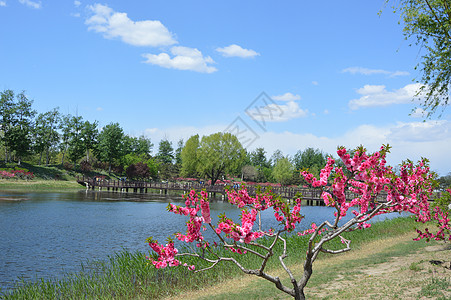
(366, 185)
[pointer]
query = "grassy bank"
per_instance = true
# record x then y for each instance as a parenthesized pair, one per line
(45, 178)
(128, 275)
(38, 185)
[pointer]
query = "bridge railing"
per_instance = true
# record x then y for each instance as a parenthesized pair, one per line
(287, 192)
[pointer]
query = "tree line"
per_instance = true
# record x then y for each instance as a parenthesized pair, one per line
(52, 138)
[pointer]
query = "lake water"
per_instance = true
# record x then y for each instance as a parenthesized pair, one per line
(45, 235)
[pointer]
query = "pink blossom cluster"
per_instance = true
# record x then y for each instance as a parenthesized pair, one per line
(372, 182)
(443, 224)
(313, 228)
(324, 174)
(192, 206)
(166, 255)
(240, 233)
(16, 174)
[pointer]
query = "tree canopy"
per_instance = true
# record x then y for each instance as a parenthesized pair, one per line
(16, 116)
(429, 23)
(283, 171)
(110, 146)
(189, 157)
(219, 153)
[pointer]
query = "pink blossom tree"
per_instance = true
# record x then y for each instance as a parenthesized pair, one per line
(366, 187)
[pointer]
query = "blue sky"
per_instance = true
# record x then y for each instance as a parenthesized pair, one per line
(281, 74)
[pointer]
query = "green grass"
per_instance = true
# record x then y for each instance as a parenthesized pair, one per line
(46, 178)
(129, 276)
(435, 287)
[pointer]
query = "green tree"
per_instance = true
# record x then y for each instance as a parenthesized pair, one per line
(165, 158)
(260, 162)
(65, 135)
(178, 152)
(258, 158)
(310, 159)
(76, 147)
(189, 157)
(89, 134)
(276, 156)
(429, 23)
(220, 153)
(140, 146)
(16, 123)
(6, 115)
(249, 172)
(283, 171)
(46, 134)
(110, 144)
(165, 152)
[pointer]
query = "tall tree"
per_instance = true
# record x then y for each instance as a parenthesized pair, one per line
(46, 134)
(89, 134)
(189, 157)
(178, 152)
(308, 158)
(283, 171)
(143, 146)
(165, 152)
(16, 123)
(429, 23)
(76, 148)
(110, 144)
(220, 153)
(6, 114)
(260, 162)
(66, 129)
(258, 158)
(276, 156)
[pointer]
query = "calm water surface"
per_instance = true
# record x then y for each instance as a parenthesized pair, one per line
(45, 235)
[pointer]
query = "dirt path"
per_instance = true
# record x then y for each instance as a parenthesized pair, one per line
(366, 273)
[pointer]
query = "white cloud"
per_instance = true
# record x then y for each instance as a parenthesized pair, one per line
(117, 25)
(77, 3)
(366, 71)
(315, 82)
(32, 4)
(237, 51)
(285, 112)
(2, 3)
(421, 131)
(184, 58)
(377, 95)
(399, 73)
(287, 97)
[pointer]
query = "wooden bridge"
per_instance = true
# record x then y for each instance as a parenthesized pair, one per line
(312, 196)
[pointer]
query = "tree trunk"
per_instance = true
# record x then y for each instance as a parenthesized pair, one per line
(47, 157)
(62, 160)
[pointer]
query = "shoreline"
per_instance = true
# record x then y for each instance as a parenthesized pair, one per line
(38, 185)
